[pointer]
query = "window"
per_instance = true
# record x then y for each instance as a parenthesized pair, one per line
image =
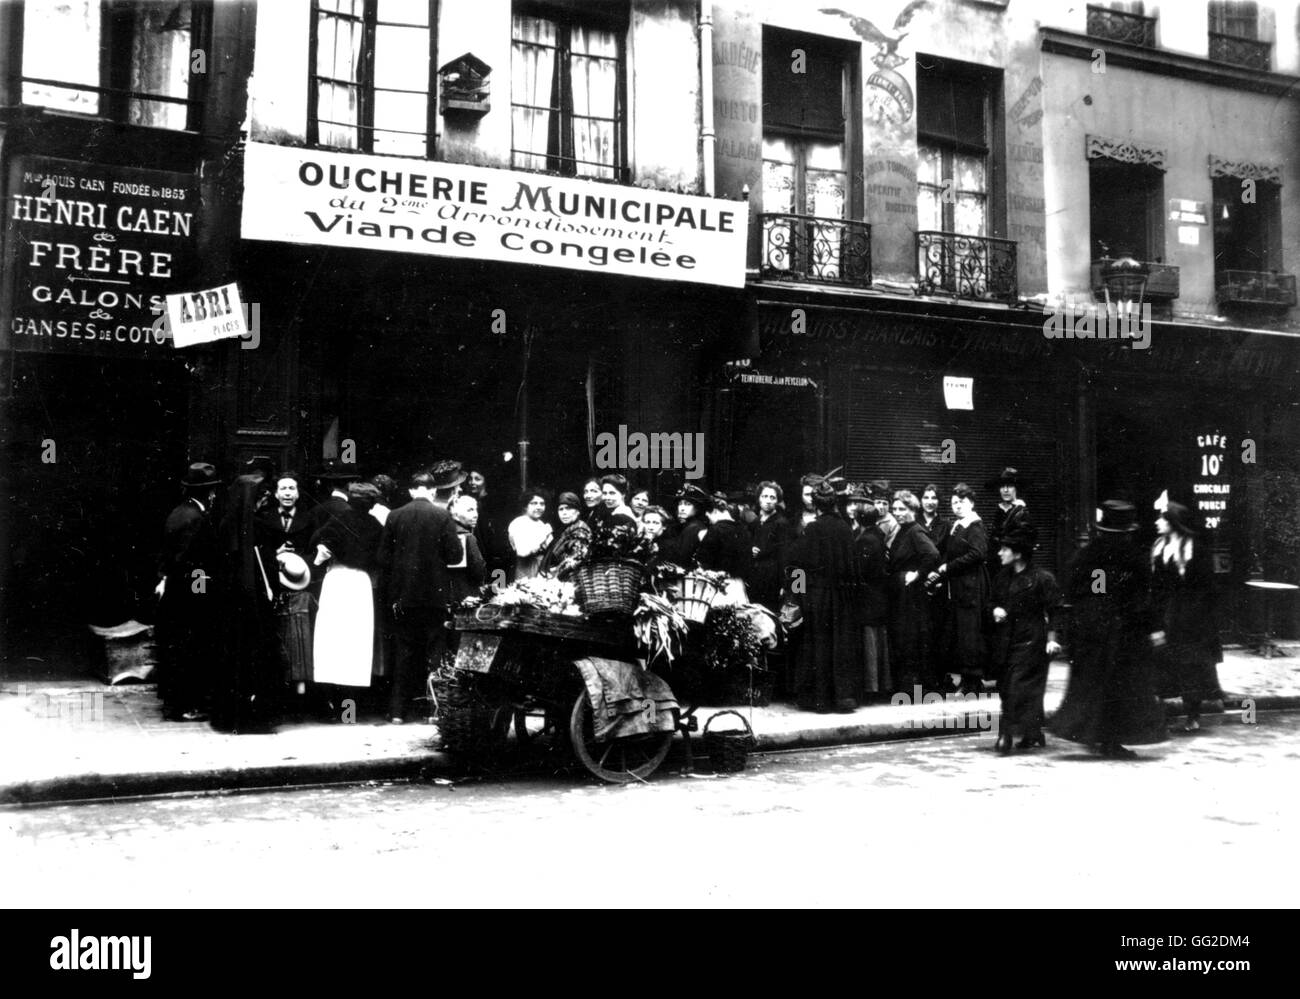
(809, 101)
(371, 76)
(566, 94)
(128, 61)
(1126, 214)
(1247, 234)
(959, 192)
(1235, 35)
(952, 181)
(1238, 18)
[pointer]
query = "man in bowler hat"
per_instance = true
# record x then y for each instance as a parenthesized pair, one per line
(189, 609)
(419, 542)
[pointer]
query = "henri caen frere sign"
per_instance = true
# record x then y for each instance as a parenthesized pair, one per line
(92, 252)
(453, 210)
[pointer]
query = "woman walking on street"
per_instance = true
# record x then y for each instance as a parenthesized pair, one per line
(1182, 581)
(1025, 602)
(1110, 699)
(963, 569)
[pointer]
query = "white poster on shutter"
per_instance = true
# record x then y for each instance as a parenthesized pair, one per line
(959, 393)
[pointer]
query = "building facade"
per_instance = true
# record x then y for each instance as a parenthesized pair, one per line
(884, 239)
(936, 193)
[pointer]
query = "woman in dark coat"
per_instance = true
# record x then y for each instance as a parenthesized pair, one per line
(249, 672)
(1026, 600)
(571, 547)
(347, 544)
(964, 571)
(912, 557)
(725, 546)
(1182, 579)
(826, 581)
(1010, 513)
(869, 547)
(771, 535)
(1111, 696)
(692, 501)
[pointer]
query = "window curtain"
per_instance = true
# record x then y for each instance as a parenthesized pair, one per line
(593, 70)
(160, 63)
(532, 82)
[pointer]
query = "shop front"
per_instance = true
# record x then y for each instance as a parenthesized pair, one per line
(924, 392)
(539, 313)
(95, 397)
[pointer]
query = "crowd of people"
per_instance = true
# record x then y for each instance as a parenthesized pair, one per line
(279, 603)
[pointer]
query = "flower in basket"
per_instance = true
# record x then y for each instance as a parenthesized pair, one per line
(619, 538)
(551, 595)
(658, 627)
(731, 641)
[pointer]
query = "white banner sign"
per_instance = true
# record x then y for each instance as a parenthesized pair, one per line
(478, 213)
(205, 316)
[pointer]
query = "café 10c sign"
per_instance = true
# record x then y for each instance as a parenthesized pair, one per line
(478, 213)
(1210, 486)
(93, 252)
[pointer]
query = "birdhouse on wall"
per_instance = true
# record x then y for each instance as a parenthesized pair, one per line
(464, 87)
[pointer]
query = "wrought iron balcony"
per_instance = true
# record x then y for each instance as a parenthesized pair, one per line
(1162, 281)
(810, 248)
(1255, 288)
(1121, 26)
(966, 266)
(1241, 51)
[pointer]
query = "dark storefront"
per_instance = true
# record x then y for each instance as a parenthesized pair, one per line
(864, 387)
(95, 397)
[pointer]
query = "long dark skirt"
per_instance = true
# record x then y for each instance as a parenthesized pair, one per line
(1111, 694)
(1021, 690)
(828, 664)
(293, 626)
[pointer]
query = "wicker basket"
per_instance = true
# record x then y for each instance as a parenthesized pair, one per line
(728, 751)
(695, 597)
(609, 586)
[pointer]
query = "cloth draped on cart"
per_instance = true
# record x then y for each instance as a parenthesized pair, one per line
(626, 699)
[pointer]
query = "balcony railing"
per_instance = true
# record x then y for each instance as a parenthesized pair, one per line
(1255, 288)
(1162, 281)
(1241, 51)
(809, 248)
(1121, 26)
(966, 266)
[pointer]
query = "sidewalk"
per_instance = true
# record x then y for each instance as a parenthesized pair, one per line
(77, 740)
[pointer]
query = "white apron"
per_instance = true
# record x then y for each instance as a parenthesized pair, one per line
(343, 645)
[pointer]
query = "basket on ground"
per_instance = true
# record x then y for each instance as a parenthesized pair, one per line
(694, 598)
(609, 586)
(729, 750)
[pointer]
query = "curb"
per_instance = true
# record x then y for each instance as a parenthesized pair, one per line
(426, 766)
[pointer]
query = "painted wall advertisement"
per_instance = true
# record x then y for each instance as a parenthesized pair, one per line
(476, 213)
(94, 249)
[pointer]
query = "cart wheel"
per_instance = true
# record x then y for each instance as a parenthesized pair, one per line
(618, 761)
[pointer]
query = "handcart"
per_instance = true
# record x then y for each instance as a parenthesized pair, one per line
(524, 668)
